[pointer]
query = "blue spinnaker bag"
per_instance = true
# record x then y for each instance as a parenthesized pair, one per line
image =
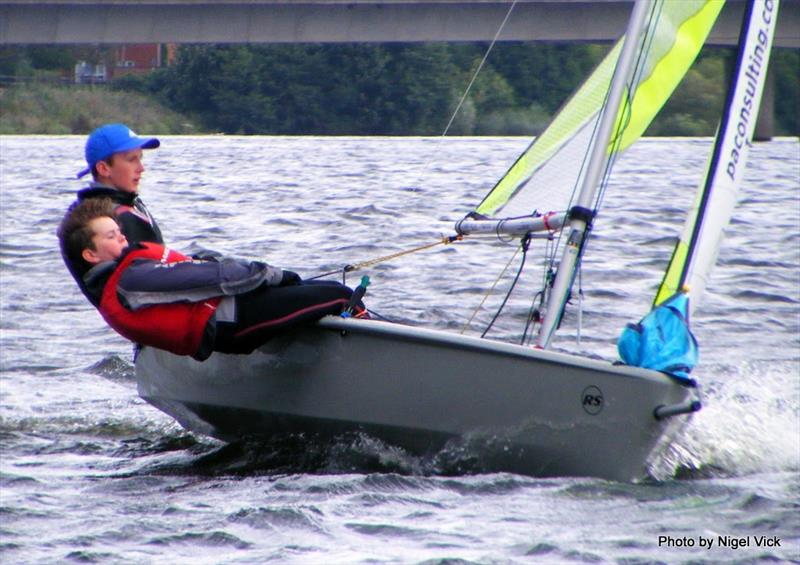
(662, 340)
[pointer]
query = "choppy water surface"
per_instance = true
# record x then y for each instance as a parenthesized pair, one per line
(90, 473)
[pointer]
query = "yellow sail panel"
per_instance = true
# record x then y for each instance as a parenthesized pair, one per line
(545, 176)
(583, 107)
(671, 54)
(672, 278)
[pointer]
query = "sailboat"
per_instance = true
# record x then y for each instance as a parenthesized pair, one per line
(525, 407)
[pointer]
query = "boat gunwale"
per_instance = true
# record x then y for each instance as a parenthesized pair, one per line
(434, 336)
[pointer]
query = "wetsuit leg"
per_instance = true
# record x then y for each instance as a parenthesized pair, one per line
(269, 310)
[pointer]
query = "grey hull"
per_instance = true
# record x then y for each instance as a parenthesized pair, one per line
(524, 410)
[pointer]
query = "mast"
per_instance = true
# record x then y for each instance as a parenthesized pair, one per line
(581, 214)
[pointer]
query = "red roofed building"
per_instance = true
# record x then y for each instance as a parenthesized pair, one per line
(141, 58)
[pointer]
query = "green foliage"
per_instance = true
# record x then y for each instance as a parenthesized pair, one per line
(785, 69)
(695, 107)
(378, 89)
(43, 109)
(514, 121)
(545, 74)
(391, 89)
(51, 58)
(28, 61)
(320, 89)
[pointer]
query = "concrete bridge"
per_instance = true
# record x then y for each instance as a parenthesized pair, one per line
(346, 21)
(301, 21)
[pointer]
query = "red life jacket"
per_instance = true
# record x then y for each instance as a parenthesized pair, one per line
(176, 327)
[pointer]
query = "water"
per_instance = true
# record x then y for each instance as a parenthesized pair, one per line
(90, 473)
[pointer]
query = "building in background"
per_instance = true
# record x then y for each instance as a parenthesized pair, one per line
(133, 59)
(141, 58)
(87, 73)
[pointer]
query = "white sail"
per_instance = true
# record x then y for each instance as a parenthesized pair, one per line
(696, 252)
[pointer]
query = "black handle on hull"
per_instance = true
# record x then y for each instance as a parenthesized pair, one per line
(662, 412)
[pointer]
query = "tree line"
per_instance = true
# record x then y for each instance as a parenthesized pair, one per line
(407, 89)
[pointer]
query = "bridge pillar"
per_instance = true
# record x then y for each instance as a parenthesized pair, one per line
(765, 124)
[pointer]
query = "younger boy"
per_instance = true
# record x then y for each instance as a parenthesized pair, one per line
(114, 157)
(159, 297)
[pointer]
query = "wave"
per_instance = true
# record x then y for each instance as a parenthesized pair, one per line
(748, 425)
(113, 368)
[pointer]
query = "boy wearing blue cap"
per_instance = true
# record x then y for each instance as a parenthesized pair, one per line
(114, 158)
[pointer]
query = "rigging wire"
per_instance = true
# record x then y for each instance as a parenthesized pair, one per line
(639, 68)
(349, 268)
(432, 155)
(446, 240)
(550, 267)
(554, 249)
(480, 66)
(615, 142)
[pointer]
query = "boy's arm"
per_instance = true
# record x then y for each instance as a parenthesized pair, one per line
(146, 282)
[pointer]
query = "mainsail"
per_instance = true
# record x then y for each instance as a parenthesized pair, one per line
(696, 251)
(618, 126)
(546, 171)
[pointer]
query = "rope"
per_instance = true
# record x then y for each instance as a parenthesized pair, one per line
(369, 263)
(524, 245)
(489, 292)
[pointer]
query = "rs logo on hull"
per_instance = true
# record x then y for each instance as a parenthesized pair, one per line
(592, 400)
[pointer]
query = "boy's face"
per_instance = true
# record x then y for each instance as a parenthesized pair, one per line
(109, 243)
(124, 172)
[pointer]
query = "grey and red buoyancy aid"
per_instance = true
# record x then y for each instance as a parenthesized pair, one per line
(177, 327)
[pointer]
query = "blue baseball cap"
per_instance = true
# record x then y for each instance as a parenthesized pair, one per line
(113, 138)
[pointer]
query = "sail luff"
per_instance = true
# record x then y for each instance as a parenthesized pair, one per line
(696, 251)
(597, 162)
